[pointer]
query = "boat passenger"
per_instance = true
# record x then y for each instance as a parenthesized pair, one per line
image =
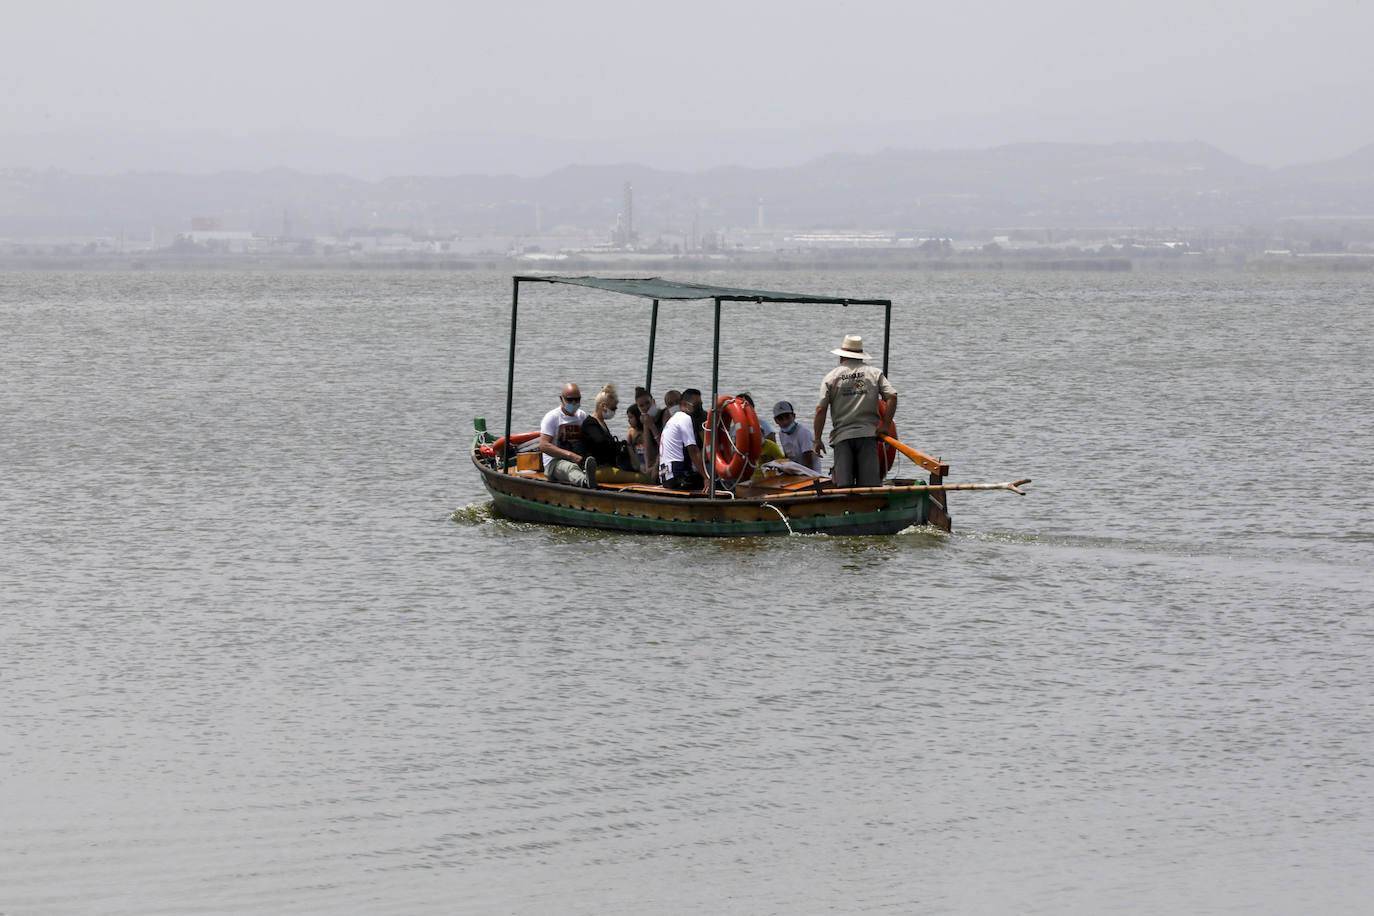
(597, 439)
(560, 439)
(699, 416)
(768, 434)
(634, 442)
(651, 431)
(854, 391)
(671, 402)
(644, 400)
(680, 465)
(795, 439)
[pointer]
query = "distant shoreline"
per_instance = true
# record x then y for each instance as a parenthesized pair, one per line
(781, 261)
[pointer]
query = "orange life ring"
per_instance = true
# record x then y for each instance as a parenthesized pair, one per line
(515, 439)
(735, 448)
(887, 452)
(498, 447)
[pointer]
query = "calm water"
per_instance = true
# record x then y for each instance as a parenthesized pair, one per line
(264, 649)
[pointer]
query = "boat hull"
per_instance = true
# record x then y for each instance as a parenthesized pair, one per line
(868, 510)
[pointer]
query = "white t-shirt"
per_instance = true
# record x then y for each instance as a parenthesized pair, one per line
(798, 442)
(564, 430)
(677, 435)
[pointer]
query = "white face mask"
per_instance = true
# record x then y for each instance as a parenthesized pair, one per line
(610, 412)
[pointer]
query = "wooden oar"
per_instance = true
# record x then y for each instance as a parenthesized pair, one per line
(1013, 485)
(838, 493)
(934, 465)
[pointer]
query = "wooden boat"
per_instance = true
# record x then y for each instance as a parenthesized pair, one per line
(769, 505)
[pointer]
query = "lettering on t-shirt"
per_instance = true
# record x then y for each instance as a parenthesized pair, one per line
(570, 436)
(850, 384)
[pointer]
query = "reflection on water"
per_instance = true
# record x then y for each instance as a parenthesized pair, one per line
(255, 658)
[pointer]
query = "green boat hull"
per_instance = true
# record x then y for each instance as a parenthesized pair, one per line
(870, 510)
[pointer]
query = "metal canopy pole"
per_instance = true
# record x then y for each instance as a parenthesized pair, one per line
(887, 331)
(653, 332)
(710, 463)
(510, 368)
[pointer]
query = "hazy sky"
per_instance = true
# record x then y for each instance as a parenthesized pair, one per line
(1273, 82)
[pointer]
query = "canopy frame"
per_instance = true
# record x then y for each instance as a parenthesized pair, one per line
(657, 289)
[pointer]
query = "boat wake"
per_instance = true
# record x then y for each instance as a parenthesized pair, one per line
(477, 514)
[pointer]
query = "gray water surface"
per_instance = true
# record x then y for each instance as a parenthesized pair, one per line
(264, 648)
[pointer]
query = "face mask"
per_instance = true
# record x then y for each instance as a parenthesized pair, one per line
(654, 411)
(611, 412)
(790, 428)
(672, 410)
(570, 409)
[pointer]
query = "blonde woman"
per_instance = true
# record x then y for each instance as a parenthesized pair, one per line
(597, 439)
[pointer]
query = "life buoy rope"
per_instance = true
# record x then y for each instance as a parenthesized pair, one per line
(735, 447)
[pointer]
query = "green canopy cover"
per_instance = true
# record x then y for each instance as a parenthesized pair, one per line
(658, 288)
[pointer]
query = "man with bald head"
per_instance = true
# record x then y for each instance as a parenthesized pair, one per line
(560, 440)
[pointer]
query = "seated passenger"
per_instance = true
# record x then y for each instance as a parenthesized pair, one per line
(597, 439)
(795, 439)
(634, 443)
(768, 434)
(560, 439)
(699, 417)
(652, 421)
(680, 465)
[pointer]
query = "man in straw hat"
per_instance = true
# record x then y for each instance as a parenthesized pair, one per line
(852, 392)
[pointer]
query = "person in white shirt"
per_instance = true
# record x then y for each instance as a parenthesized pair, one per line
(679, 455)
(795, 439)
(560, 439)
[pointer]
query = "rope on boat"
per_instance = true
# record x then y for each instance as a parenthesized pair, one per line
(780, 515)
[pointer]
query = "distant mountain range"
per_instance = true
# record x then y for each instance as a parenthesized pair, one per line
(1063, 186)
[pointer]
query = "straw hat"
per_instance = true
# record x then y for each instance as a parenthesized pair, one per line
(852, 348)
